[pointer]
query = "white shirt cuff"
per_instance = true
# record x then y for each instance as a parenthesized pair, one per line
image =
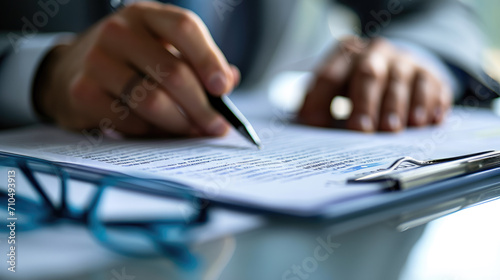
(17, 75)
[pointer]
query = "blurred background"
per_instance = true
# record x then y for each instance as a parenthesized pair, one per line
(489, 10)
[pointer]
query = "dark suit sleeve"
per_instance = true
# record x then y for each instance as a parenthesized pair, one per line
(447, 28)
(4, 46)
(30, 25)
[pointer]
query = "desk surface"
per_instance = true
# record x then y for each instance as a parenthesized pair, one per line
(464, 245)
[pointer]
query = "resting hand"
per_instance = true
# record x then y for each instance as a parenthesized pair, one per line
(388, 88)
(141, 70)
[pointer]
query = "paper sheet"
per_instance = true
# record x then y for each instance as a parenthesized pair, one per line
(299, 169)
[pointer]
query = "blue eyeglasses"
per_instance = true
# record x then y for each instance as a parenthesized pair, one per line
(143, 236)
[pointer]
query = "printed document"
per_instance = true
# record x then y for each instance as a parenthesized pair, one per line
(299, 168)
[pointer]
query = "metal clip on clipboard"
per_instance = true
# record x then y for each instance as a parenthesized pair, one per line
(431, 171)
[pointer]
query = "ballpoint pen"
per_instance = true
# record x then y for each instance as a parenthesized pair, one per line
(431, 171)
(227, 109)
(222, 104)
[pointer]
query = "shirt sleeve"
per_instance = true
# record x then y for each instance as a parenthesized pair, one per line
(17, 75)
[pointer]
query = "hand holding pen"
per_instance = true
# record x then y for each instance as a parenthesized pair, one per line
(142, 70)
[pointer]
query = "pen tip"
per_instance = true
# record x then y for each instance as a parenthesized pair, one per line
(257, 144)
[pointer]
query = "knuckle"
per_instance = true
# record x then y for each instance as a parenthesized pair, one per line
(187, 21)
(383, 45)
(113, 26)
(373, 65)
(380, 42)
(369, 70)
(135, 8)
(354, 44)
(349, 39)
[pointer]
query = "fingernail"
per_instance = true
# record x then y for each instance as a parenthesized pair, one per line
(419, 115)
(366, 123)
(394, 121)
(218, 127)
(218, 82)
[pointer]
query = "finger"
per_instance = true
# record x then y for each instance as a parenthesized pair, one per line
(173, 74)
(236, 75)
(424, 99)
(96, 110)
(367, 86)
(329, 82)
(396, 101)
(144, 96)
(187, 33)
(443, 103)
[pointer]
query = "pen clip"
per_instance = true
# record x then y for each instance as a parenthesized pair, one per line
(470, 163)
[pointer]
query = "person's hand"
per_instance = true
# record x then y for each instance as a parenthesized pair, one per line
(141, 70)
(388, 89)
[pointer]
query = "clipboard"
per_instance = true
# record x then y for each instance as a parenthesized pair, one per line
(415, 196)
(409, 197)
